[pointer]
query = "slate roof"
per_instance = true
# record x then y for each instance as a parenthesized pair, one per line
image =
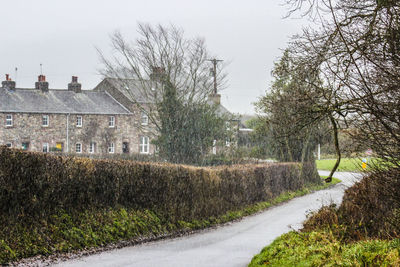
(59, 101)
(130, 89)
(222, 111)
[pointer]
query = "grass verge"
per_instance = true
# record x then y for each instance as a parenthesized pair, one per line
(322, 248)
(64, 232)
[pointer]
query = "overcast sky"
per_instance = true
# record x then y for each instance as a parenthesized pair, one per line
(63, 35)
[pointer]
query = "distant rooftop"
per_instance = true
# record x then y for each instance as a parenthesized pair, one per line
(57, 101)
(130, 88)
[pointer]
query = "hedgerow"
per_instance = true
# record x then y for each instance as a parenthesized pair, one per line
(47, 201)
(370, 208)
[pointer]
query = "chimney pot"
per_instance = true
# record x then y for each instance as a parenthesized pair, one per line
(7, 77)
(41, 78)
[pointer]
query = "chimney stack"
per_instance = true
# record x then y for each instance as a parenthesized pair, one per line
(215, 99)
(158, 74)
(8, 83)
(42, 84)
(74, 85)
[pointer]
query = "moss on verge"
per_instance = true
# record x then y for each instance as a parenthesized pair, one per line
(323, 248)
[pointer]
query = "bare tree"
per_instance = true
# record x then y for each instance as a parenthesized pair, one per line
(356, 52)
(167, 76)
(160, 54)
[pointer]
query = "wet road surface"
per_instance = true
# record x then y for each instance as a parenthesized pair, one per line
(231, 245)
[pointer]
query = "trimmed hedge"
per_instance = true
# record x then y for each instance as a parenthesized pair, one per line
(51, 203)
(36, 185)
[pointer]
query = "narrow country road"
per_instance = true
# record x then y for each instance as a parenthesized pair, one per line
(231, 245)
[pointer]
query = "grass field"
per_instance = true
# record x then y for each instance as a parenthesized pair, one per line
(346, 164)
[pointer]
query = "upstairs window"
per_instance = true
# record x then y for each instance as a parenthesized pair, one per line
(45, 120)
(9, 120)
(144, 118)
(111, 122)
(78, 121)
(144, 145)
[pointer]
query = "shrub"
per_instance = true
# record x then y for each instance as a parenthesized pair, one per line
(370, 208)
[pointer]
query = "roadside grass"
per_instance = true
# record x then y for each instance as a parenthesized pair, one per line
(346, 164)
(65, 232)
(323, 248)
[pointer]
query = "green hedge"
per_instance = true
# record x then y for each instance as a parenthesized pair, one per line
(36, 185)
(51, 204)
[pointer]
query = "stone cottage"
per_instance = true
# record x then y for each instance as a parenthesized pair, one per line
(126, 91)
(71, 120)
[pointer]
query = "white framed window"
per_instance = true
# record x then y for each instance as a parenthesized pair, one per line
(228, 142)
(111, 121)
(144, 145)
(125, 147)
(144, 118)
(78, 121)
(228, 125)
(45, 147)
(92, 147)
(214, 147)
(78, 148)
(9, 120)
(45, 120)
(25, 145)
(111, 148)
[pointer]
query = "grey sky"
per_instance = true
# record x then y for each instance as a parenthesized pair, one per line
(62, 35)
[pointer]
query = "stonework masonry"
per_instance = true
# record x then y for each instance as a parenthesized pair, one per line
(79, 121)
(62, 131)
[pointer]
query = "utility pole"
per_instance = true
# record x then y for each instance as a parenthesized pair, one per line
(214, 72)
